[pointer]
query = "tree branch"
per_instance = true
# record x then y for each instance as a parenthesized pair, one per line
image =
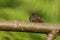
(52, 30)
(28, 27)
(52, 35)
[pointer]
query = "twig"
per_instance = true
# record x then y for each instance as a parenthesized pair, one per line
(52, 35)
(50, 29)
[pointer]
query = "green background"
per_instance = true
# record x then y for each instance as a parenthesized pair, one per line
(21, 10)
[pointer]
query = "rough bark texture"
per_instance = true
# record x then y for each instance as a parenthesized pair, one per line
(52, 30)
(33, 27)
(52, 35)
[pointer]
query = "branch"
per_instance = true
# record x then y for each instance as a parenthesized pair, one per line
(28, 27)
(52, 35)
(49, 29)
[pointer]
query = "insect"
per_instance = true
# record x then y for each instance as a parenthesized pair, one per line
(36, 19)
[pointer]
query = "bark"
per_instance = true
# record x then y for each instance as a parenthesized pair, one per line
(52, 30)
(30, 27)
(52, 35)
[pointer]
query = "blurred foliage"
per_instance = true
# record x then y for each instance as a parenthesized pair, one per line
(48, 10)
(10, 3)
